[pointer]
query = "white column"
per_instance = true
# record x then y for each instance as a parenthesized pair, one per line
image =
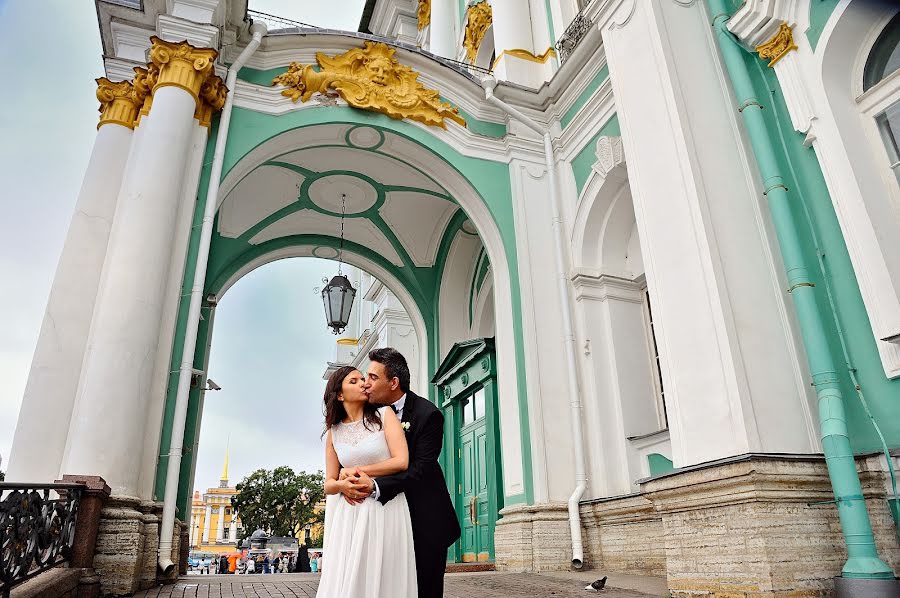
(122, 344)
(728, 357)
(206, 524)
(445, 38)
(43, 425)
(220, 528)
(193, 530)
(232, 528)
(512, 30)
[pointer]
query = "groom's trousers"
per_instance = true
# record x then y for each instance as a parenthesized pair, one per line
(430, 566)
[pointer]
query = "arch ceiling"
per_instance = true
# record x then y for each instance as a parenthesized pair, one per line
(392, 206)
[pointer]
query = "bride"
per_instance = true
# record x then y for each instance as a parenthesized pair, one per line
(369, 546)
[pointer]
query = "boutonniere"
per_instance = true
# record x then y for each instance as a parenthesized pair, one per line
(405, 426)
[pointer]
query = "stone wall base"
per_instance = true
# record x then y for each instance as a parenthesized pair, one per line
(127, 545)
(752, 526)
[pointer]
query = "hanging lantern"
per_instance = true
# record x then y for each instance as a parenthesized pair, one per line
(338, 297)
(338, 294)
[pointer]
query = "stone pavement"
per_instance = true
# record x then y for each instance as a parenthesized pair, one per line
(457, 585)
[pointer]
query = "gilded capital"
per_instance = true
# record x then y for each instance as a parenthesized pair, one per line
(423, 14)
(478, 19)
(181, 65)
(212, 98)
(117, 103)
(144, 80)
(777, 48)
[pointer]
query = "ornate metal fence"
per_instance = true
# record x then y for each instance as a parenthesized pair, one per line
(574, 33)
(37, 529)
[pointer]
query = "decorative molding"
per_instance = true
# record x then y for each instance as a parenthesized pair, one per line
(370, 79)
(180, 65)
(423, 14)
(525, 55)
(118, 103)
(130, 42)
(778, 46)
(212, 98)
(610, 154)
(197, 34)
(478, 19)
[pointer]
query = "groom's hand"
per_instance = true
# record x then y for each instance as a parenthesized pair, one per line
(358, 486)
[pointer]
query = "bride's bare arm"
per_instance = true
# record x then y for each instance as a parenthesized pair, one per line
(396, 441)
(332, 469)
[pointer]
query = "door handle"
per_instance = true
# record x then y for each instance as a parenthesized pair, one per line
(473, 510)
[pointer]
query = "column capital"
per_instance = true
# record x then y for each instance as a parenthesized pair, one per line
(117, 103)
(212, 98)
(479, 17)
(181, 65)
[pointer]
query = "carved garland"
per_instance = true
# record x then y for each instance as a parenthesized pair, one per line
(478, 19)
(370, 79)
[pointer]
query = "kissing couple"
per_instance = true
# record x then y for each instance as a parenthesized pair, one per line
(388, 515)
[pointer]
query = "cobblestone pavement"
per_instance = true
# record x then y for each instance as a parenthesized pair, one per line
(457, 585)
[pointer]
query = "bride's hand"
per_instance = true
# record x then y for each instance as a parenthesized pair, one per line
(347, 472)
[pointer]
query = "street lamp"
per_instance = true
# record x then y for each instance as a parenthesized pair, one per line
(338, 294)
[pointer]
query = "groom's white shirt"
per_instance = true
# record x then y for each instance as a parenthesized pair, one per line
(398, 407)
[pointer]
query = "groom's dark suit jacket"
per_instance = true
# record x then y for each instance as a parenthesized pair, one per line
(433, 518)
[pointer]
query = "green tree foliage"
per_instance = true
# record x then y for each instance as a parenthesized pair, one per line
(281, 502)
(2, 476)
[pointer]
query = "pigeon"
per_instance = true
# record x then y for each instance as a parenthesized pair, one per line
(596, 586)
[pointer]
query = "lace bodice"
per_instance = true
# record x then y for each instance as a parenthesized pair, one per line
(357, 445)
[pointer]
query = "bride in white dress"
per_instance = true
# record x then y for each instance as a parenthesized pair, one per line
(368, 547)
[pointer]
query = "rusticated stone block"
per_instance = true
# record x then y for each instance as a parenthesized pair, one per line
(533, 538)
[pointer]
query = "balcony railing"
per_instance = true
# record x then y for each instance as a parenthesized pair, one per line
(574, 33)
(37, 529)
(282, 26)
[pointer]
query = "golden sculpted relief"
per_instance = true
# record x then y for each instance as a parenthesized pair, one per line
(423, 14)
(478, 19)
(777, 48)
(181, 65)
(370, 78)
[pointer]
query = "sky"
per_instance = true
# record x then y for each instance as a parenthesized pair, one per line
(270, 344)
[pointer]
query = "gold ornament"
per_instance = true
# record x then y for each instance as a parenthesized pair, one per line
(181, 65)
(212, 98)
(370, 79)
(117, 103)
(777, 48)
(144, 80)
(478, 19)
(423, 14)
(526, 55)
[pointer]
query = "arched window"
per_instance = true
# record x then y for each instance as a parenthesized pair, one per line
(883, 61)
(885, 56)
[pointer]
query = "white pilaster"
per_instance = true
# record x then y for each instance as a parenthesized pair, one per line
(43, 425)
(729, 360)
(232, 529)
(206, 524)
(122, 345)
(618, 380)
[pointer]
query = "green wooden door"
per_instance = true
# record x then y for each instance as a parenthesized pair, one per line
(478, 516)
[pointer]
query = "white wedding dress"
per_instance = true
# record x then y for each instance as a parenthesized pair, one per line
(368, 547)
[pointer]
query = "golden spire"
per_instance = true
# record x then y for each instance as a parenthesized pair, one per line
(224, 479)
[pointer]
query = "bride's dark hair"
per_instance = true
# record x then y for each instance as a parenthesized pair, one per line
(334, 407)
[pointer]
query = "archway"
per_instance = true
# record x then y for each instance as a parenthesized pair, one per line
(408, 198)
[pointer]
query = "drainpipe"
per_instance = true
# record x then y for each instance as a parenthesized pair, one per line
(863, 561)
(258, 29)
(489, 83)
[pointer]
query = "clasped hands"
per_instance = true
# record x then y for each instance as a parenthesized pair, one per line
(356, 485)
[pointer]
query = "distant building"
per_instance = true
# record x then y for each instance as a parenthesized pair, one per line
(214, 524)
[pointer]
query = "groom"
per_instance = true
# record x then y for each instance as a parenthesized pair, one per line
(434, 523)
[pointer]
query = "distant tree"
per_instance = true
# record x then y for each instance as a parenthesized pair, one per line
(2, 476)
(281, 502)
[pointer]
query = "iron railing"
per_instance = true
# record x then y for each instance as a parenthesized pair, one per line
(574, 33)
(37, 529)
(283, 26)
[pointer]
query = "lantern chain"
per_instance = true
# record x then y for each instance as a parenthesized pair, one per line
(341, 250)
